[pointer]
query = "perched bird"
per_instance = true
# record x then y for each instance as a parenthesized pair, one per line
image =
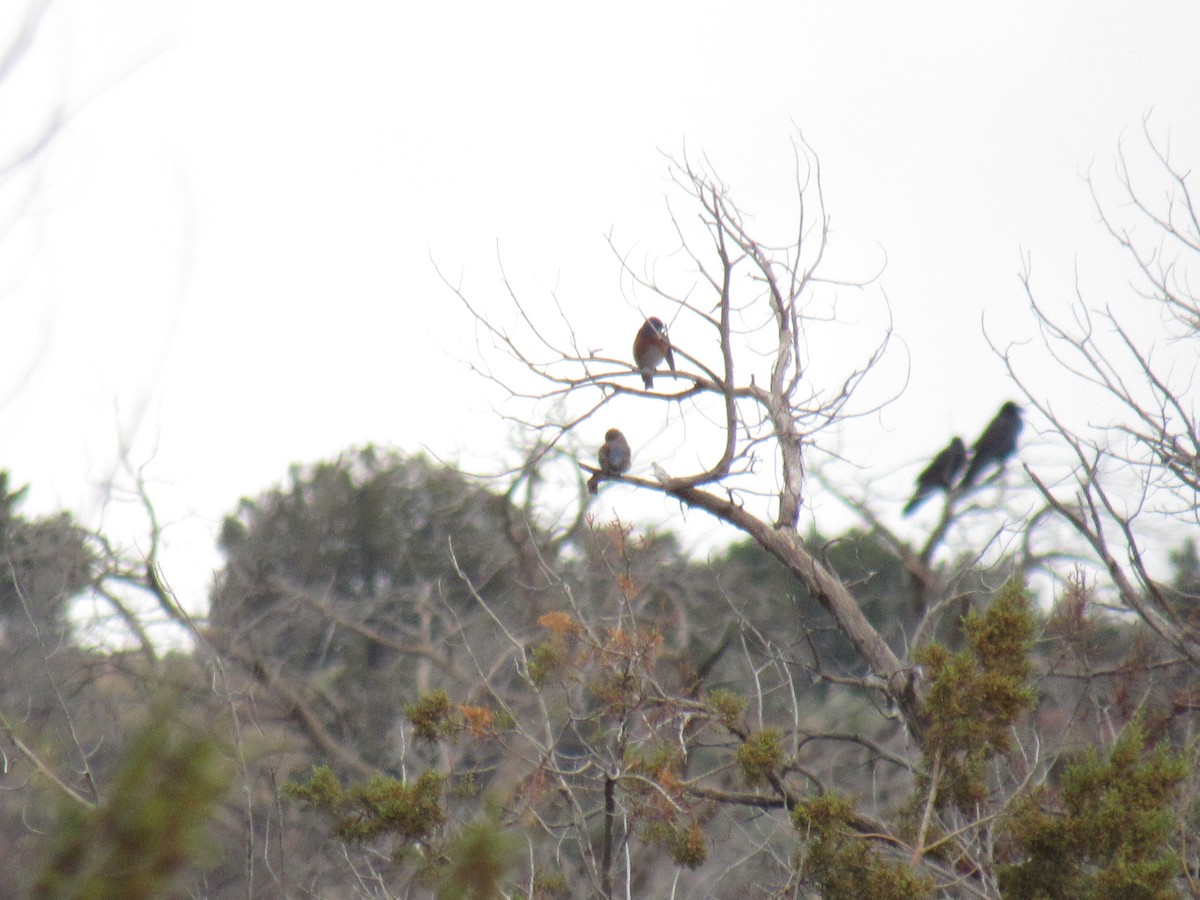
(650, 347)
(615, 457)
(939, 474)
(997, 443)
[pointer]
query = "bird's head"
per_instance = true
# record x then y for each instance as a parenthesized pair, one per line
(657, 324)
(1010, 409)
(613, 434)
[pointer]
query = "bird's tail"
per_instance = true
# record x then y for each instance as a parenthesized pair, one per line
(918, 498)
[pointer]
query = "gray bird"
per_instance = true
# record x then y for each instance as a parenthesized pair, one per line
(997, 443)
(615, 458)
(939, 474)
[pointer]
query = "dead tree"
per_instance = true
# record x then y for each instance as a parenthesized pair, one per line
(1135, 478)
(767, 311)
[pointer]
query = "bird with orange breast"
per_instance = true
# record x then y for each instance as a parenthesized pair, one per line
(651, 347)
(615, 458)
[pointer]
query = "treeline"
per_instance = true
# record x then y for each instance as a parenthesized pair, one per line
(405, 687)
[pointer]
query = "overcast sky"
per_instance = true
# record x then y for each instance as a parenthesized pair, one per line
(226, 256)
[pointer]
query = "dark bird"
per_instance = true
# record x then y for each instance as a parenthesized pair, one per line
(615, 458)
(939, 474)
(997, 443)
(651, 347)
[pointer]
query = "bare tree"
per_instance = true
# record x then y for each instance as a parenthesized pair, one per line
(763, 305)
(1135, 479)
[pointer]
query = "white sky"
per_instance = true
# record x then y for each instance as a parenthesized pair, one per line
(226, 254)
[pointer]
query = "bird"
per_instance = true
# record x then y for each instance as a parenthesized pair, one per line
(650, 347)
(997, 443)
(939, 474)
(615, 458)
